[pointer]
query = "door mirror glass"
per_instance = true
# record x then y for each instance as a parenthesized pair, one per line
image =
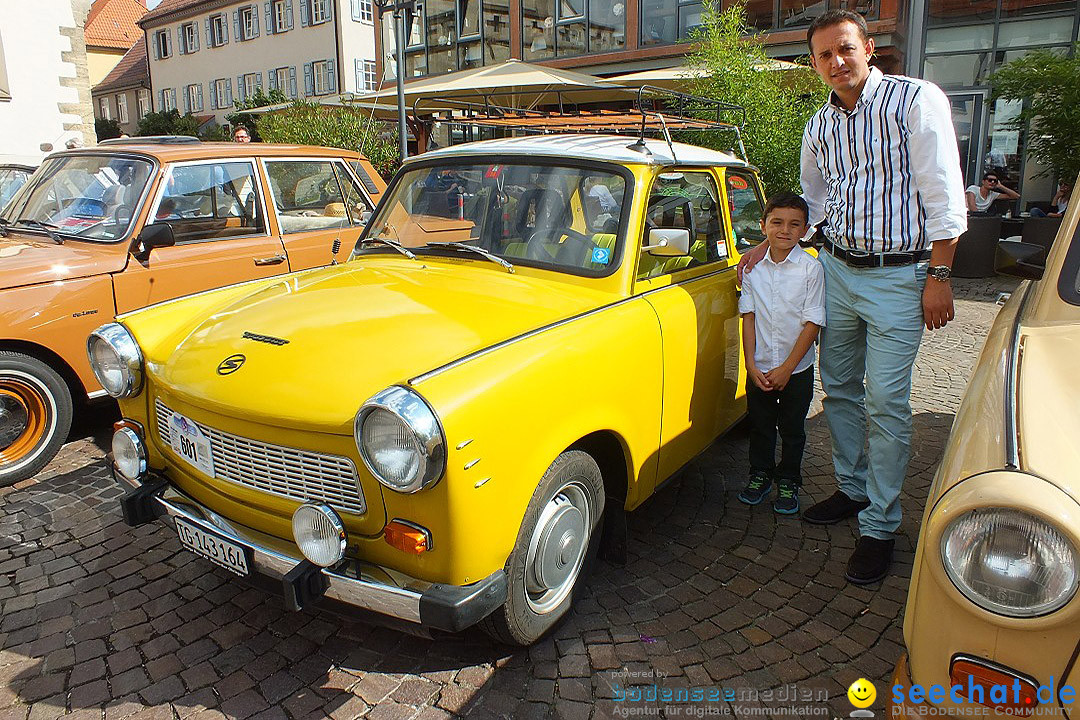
(154, 236)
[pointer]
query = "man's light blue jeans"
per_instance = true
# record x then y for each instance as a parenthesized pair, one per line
(874, 322)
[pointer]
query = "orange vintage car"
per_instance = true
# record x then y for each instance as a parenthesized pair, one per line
(101, 231)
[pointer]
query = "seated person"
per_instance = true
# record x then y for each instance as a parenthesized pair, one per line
(1058, 205)
(981, 197)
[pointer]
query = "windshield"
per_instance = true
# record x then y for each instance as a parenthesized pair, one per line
(86, 196)
(567, 218)
(11, 180)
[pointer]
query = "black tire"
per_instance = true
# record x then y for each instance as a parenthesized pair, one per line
(572, 482)
(35, 415)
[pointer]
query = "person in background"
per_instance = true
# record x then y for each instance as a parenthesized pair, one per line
(241, 134)
(980, 197)
(1058, 205)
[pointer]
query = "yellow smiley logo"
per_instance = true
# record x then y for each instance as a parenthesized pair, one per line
(862, 693)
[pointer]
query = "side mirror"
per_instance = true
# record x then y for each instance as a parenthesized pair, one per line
(667, 242)
(153, 236)
(1026, 261)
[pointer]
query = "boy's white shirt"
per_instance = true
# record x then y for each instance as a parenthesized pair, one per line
(784, 297)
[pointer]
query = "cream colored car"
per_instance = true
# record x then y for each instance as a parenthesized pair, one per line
(993, 619)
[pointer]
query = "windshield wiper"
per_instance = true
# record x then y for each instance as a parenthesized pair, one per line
(390, 243)
(47, 228)
(473, 248)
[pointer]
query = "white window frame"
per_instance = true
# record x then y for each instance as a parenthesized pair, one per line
(320, 73)
(189, 37)
(247, 22)
(318, 13)
(104, 110)
(281, 79)
(371, 75)
(122, 108)
(281, 21)
(143, 99)
(168, 100)
(219, 29)
(161, 41)
(251, 85)
(221, 90)
(367, 12)
(193, 98)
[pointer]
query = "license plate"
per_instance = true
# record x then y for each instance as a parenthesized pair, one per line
(189, 442)
(213, 547)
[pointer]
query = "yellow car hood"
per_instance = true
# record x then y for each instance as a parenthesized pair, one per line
(352, 330)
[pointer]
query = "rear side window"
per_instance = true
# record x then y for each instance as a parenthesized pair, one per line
(308, 195)
(211, 201)
(746, 205)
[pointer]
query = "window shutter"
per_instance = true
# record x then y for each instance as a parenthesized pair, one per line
(195, 36)
(236, 25)
(168, 43)
(288, 14)
(355, 6)
(358, 66)
(269, 6)
(271, 80)
(209, 35)
(199, 96)
(172, 96)
(258, 81)
(180, 40)
(309, 80)
(157, 55)
(255, 20)
(292, 82)
(240, 96)
(331, 77)
(228, 92)
(305, 13)
(328, 9)
(161, 100)
(187, 101)
(213, 95)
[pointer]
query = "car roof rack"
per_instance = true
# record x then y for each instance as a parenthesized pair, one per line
(152, 140)
(654, 111)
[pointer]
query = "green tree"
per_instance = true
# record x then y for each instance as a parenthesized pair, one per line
(732, 66)
(1049, 86)
(349, 128)
(169, 122)
(106, 129)
(258, 100)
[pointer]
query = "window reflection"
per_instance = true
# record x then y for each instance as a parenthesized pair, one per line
(1012, 8)
(949, 11)
(958, 70)
(468, 18)
(659, 22)
(538, 25)
(800, 12)
(496, 32)
(607, 25)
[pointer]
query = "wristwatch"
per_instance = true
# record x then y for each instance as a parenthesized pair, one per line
(941, 273)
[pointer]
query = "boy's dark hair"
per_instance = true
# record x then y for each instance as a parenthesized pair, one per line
(835, 17)
(786, 200)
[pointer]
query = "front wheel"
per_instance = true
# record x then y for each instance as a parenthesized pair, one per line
(35, 415)
(555, 545)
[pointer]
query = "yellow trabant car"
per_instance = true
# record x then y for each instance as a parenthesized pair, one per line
(531, 335)
(993, 621)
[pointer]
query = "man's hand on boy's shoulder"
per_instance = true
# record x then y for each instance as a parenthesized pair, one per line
(750, 258)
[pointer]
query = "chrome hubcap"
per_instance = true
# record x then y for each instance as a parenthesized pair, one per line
(13, 419)
(557, 548)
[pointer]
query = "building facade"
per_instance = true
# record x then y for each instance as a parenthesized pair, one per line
(205, 56)
(124, 94)
(44, 81)
(111, 29)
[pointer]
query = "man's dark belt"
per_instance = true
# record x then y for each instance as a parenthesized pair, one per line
(864, 259)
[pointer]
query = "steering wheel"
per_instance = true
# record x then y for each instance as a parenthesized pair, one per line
(121, 216)
(535, 251)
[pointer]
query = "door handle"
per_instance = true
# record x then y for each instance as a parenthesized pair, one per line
(272, 260)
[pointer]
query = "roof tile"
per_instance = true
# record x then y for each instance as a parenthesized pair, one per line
(131, 71)
(113, 23)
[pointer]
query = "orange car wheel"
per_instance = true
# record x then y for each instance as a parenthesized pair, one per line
(35, 415)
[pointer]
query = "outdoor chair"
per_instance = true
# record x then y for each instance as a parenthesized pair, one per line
(975, 250)
(1041, 231)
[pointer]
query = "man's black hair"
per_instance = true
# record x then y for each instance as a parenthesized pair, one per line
(835, 17)
(786, 200)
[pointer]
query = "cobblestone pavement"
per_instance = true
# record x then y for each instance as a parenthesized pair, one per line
(101, 620)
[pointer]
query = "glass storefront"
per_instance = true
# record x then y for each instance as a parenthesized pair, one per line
(442, 36)
(565, 28)
(664, 22)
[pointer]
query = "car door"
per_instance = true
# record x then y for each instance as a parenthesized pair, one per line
(218, 218)
(695, 300)
(319, 206)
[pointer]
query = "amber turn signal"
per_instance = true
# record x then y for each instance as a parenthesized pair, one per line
(994, 687)
(407, 537)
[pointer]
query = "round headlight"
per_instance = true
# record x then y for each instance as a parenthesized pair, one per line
(319, 533)
(129, 454)
(400, 440)
(1009, 562)
(116, 360)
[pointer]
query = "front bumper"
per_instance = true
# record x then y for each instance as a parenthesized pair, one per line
(430, 605)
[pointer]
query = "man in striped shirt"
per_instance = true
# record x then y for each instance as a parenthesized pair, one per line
(880, 167)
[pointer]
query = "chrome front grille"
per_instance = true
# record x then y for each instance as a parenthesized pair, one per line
(296, 474)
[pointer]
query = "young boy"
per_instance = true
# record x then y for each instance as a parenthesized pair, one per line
(783, 307)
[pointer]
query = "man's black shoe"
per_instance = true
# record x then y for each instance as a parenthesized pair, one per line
(833, 509)
(870, 561)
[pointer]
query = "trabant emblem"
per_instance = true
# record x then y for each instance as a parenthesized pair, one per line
(230, 364)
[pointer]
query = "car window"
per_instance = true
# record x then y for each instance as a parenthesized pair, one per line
(11, 180)
(746, 207)
(307, 195)
(355, 201)
(690, 200)
(211, 201)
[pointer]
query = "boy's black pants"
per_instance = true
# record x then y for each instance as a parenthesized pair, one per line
(784, 410)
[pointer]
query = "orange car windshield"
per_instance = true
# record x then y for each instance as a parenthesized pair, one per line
(92, 197)
(565, 217)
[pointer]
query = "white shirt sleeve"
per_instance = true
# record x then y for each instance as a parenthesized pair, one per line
(813, 184)
(813, 310)
(746, 300)
(935, 164)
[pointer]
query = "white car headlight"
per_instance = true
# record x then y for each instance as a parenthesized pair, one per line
(1009, 562)
(400, 440)
(129, 454)
(116, 360)
(320, 534)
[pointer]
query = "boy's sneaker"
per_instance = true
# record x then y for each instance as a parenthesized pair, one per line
(757, 488)
(787, 498)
